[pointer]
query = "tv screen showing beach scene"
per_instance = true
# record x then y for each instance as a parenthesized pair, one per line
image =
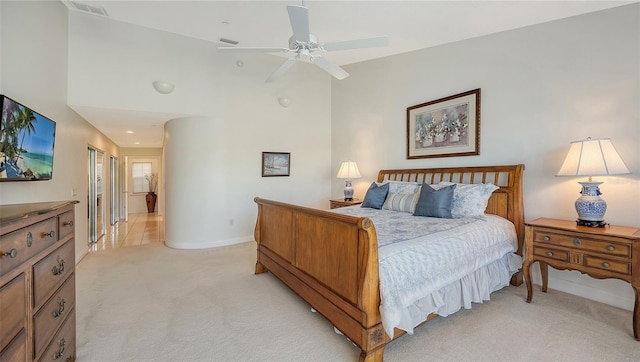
(26, 143)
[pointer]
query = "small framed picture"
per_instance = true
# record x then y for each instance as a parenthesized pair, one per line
(276, 164)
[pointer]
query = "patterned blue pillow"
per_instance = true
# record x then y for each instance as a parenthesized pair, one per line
(435, 203)
(375, 196)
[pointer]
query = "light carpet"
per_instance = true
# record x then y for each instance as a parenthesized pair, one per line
(153, 303)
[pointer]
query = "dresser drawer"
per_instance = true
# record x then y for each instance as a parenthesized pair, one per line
(49, 272)
(50, 317)
(63, 345)
(13, 306)
(66, 224)
(24, 243)
(16, 350)
(614, 246)
(608, 265)
(562, 255)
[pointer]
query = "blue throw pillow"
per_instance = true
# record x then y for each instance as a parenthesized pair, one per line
(375, 196)
(435, 203)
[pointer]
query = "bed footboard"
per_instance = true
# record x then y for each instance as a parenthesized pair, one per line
(330, 261)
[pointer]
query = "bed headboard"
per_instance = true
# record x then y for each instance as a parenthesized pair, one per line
(505, 202)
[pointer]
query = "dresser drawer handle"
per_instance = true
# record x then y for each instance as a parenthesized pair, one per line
(546, 238)
(610, 248)
(577, 242)
(11, 253)
(59, 269)
(549, 253)
(60, 353)
(605, 265)
(68, 223)
(60, 311)
(29, 239)
(50, 234)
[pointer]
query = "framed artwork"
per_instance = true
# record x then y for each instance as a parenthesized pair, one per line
(275, 164)
(445, 127)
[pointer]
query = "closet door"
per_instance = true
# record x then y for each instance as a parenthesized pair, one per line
(96, 195)
(114, 191)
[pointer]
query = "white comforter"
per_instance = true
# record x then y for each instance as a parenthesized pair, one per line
(430, 265)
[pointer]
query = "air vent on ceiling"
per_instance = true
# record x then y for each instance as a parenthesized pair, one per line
(98, 10)
(228, 41)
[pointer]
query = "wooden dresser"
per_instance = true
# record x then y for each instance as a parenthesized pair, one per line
(37, 282)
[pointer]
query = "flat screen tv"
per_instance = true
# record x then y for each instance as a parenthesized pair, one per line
(26, 143)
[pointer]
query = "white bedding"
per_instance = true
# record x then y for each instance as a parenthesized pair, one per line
(431, 265)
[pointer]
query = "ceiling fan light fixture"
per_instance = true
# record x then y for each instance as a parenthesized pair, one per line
(163, 87)
(304, 44)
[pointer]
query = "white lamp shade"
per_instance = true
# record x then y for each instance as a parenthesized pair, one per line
(348, 170)
(592, 157)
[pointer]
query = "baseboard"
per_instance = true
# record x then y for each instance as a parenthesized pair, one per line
(598, 295)
(208, 244)
(84, 253)
(587, 291)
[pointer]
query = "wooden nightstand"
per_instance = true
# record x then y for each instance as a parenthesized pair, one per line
(609, 252)
(336, 203)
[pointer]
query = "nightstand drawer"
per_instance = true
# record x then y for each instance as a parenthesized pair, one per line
(608, 265)
(562, 255)
(577, 241)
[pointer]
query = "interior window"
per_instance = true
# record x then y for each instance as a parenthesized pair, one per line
(140, 171)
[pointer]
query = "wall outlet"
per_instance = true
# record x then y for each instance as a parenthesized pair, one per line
(74, 191)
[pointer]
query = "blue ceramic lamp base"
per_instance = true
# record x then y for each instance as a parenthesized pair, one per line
(348, 191)
(590, 206)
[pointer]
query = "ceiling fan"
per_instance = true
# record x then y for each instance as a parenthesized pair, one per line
(304, 44)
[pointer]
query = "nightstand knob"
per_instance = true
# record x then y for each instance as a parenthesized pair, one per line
(606, 265)
(577, 242)
(610, 248)
(546, 238)
(549, 254)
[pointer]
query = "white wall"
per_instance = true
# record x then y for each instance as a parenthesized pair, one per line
(34, 72)
(212, 156)
(543, 86)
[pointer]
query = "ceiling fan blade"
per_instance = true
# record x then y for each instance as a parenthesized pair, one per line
(252, 50)
(299, 18)
(356, 44)
(329, 67)
(281, 70)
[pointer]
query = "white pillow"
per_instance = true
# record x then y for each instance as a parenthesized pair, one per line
(470, 199)
(397, 201)
(402, 187)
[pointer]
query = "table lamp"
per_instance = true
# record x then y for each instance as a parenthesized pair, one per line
(592, 157)
(348, 170)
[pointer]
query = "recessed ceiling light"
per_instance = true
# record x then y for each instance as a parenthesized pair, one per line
(136, 143)
(129, 132)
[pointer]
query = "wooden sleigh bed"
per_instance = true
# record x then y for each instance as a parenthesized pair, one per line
(331, 260)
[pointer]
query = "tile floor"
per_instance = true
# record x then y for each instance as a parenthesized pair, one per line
(140, 229)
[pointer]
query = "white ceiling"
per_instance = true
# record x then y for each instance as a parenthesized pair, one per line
(409, 25)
